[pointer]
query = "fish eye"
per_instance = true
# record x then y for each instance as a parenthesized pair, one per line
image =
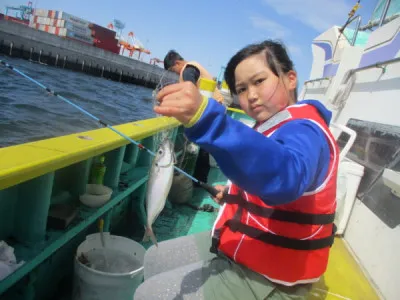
(160, 152)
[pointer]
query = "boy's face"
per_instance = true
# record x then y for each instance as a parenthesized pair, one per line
(177, 67)
(261, 93)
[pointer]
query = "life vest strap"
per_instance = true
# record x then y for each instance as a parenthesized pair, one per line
(215, 241)
(280, 215)
(281, 241)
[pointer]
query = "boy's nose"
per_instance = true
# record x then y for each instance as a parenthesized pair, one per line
(252, 95)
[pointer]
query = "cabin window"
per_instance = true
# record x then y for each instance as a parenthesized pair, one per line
(377, 147)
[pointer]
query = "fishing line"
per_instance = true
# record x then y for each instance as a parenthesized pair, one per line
(166, 134)
(159, 137)
(210, 189)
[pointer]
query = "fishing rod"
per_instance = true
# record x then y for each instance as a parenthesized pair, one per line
(210, 189)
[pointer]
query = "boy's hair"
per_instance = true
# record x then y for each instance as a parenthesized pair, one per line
(276, 56)
(171, 58)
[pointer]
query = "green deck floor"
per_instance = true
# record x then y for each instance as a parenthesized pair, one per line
(180, 220)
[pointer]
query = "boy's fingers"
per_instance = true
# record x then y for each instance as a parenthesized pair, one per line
(169, 111)
(218, 198)
(169, 89)
(171, 103)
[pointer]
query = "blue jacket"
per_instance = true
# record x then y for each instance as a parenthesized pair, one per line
(279, 169)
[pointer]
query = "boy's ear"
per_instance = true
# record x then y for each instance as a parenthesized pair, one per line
(292, 80)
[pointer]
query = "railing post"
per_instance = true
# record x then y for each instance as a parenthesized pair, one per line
(131, 155)
(11, 48)
(8, 209)
(113, 164)
(33, 207)
(30, 53)
(81, 177)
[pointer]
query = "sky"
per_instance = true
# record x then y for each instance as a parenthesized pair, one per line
(212, 31)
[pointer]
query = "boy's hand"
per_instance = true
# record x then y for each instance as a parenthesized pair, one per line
(222, 189)
(179, 100)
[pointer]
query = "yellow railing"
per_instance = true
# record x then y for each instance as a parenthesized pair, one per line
(236, 110)
(26, 161)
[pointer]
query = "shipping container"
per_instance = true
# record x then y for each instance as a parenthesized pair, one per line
(101, 31)
(86, 31)
(56, 30)
(64, 24)
(59, 23)
(114, 48)
(41, 20)
(16, 20)
(40, 12)
(72, 25)
(105, 42)
(101, 36)
(54, 14)
(63, 32)
(79, 37)
(102, 40)
(68, 17)
(51, 29)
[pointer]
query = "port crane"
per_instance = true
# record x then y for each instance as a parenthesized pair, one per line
(23, 12)
(156, 60)
(132, 44)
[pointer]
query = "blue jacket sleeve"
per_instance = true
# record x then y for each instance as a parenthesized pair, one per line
(278, 169)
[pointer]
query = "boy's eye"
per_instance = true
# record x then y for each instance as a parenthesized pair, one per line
(240, 90)
(258, 81)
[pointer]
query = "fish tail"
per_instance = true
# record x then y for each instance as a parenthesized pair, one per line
(150, 234)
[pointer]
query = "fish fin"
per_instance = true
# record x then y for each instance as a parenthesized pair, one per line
(150, 234)
(145, 237)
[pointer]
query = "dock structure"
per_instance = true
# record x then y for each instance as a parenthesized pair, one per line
(19, 40)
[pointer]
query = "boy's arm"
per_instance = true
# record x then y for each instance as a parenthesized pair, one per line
(278, 170)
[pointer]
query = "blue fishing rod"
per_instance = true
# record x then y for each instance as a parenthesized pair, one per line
(210, 189)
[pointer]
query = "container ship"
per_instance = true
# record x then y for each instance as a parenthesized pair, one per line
(60, 39)
(71, 27)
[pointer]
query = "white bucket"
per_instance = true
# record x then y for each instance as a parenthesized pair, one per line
(91, 284)
(228, 100)
(349, 177)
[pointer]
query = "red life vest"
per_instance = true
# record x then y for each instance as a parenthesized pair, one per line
(288, 244)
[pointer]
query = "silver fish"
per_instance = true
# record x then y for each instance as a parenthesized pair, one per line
(158, 186)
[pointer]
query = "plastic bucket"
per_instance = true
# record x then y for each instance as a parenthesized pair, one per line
(349, 177)
(91, 284)
(228, 100)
